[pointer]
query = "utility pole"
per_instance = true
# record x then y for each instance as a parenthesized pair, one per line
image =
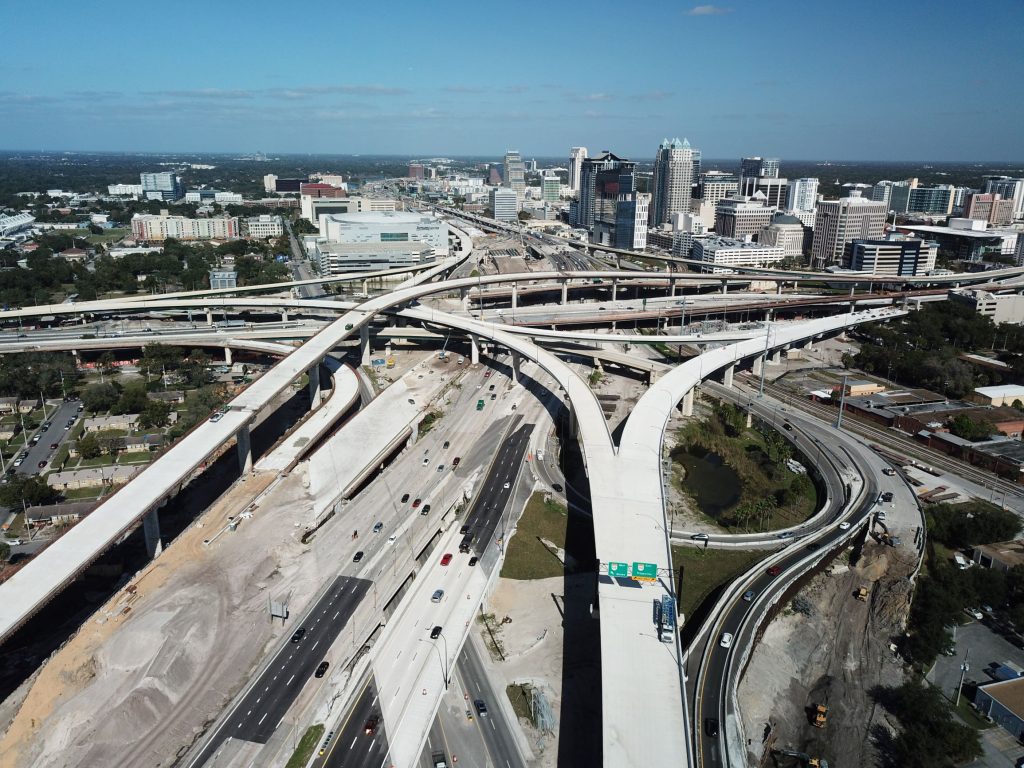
(964, 669)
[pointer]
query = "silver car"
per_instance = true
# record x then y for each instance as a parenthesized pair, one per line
(437, 596)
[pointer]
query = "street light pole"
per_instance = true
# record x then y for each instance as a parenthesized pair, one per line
(764, 359)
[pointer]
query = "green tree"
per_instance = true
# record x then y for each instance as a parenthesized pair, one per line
(30, 488)
(133, 398)
(156, 413)
(974, 430)
(930, 736)
(107, 362)
(88, 446)
(100, 397)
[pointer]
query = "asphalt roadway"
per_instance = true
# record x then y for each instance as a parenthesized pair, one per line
(351, 745)
(711, 699)
(489, 507)
(41, 451)
(257, 714)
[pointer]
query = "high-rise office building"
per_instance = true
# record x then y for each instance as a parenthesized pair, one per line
(415, 171)
(742, 217)
(935, 201)
(515, 172)
(896, 256)
(787, 232)
(576, 157)
(505, 203)
(990, 207)
(802, 194)
(673, 180)
(161, 186)
(610, 205)
(589, 170)
(837, 223)
(551, 187)
(713, 186)
(774, 189)
(754, 168)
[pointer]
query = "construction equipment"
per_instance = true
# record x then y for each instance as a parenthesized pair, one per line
(862, 594)
(808, 761)
(820, 715)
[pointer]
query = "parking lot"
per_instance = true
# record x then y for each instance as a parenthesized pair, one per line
(981, 648)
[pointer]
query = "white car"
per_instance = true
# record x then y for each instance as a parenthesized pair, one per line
(426, 461)
(392, 539)
(726, 640)
(844, 526)
(506, 486)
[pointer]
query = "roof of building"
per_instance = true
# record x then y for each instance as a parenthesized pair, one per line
(969, 233)
(713, 243)
(1009, 552)
(1009, 693)
(383, 217)
(1003, 390)
(785, 218)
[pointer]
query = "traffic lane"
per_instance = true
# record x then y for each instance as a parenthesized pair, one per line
(56, 433)
(351, 745)
(261, 709)
(490, 503)
(497, 734)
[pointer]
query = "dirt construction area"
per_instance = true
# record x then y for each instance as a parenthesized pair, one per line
(827, 647)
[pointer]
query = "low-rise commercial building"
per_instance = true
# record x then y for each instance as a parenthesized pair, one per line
(312, 207)
(120, 421)
(223, 278)
(724, 254)
(787, 232)
(93, 477)
(1003, 702)
(1005, 394)
(998, 307)
(264, 226)
(385, 227)
(338, 258)
(1001, 556)
(895, 256)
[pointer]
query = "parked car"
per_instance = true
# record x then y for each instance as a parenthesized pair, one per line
(774, 570)
(371, 725)
(435, 633)
(416, 503)
(844, 526)
(700, 537)
(749, 596)
(474, 560)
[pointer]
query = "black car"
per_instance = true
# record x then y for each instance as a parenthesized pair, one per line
(474, 560)
(358, 556)
(435, 633)
(425, 510)
(299, 634)
(557, 487)
(711, 727)
(322, 669)
(464, 530)
(481, 708)
(405, 497)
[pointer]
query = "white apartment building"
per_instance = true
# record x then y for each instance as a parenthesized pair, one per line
(802, 194)
(126, 190)
(998, 307)
(837, 223)
(722, 255)
(152, 228)
(264, 226)
(576, 157)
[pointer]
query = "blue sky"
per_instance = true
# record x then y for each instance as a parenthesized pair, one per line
(870, 79)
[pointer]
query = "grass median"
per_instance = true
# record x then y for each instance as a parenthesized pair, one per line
(704, 570)
(306, 746)
(530, 554)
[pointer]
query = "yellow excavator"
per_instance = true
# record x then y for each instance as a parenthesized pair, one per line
(808, 761)
(820, 715)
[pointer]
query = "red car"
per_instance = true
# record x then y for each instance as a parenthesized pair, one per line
(371, 725)
(487, 374)
(416, 503)
(774, 571)
(446, 559)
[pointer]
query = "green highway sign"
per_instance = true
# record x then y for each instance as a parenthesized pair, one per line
(647, 571)
(618, 570)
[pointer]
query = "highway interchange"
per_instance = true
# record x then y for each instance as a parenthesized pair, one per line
(257, 711)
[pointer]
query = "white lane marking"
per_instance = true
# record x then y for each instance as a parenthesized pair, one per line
(336, 615)
(262, 719)
(290, 680)
(374, 700)
(259, 699)
(372, 743)
(315, 645)
(353, 743)
(248, 713)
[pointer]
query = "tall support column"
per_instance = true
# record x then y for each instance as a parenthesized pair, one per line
(151, 532)
(474, 349)
(776, 357)
(515, 296)
(672, 287)
(314, 385)
(227, 356)
(209, 316)
(768, 314)
(366, 287)
(565, 292)
(725, 286)
(364, 344)
(615, 289)
(688, 403)
(284, 315)
(778, 288)
(727, 375)
(809, 344)
(756, 367)
(516, 360)
(244, 450)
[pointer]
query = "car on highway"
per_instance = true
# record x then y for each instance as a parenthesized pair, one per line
(371, 725)
(322, 669)
(749, 595)
(405, 497)
(494, 396)
(774, 570)
(298, 635)
(725, 640)
(700, 537)
(426, 460)
(392, 538)
(435, 633)
(844, 526)
(440, 467)
(506, 486)
(464, 529)
(446, 444)
(711, 727)
(357, 556)
(785, 535)
(215, 418)
(425, 510)
(438, 596)
(556, 487)
(455, 461)
(474, 560)
(481, 707)
(378, 527)
(887, 496)
(446, 558)
(487, 374)
(787, 426)
(490, 388)
(53, 446)
(416, 503)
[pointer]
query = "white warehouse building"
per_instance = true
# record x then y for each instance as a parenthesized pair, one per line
(385, 227)
(723, 254)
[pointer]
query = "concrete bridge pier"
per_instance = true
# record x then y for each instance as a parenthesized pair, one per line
(615, 289)
(778, 288)
(227, 356)
(284, 315)
(672, 288)
(151, 532)
(516, 362)
(364, 344)
(209, 316)
(688, 402)
(727, 375)
(515, 296)
(776, 357)
(244, 450)
(366, 287)
(565, 292)
(314, 385)
(755, 367)
(725, 287)
(809, 344)
(474, 349)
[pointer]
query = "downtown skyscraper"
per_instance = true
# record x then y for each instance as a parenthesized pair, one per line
(576, 157)
(515, 172)
(674, 175)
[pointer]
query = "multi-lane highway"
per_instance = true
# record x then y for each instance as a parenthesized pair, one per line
(361, 737)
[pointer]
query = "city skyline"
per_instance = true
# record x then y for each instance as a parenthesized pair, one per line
(814, 97)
